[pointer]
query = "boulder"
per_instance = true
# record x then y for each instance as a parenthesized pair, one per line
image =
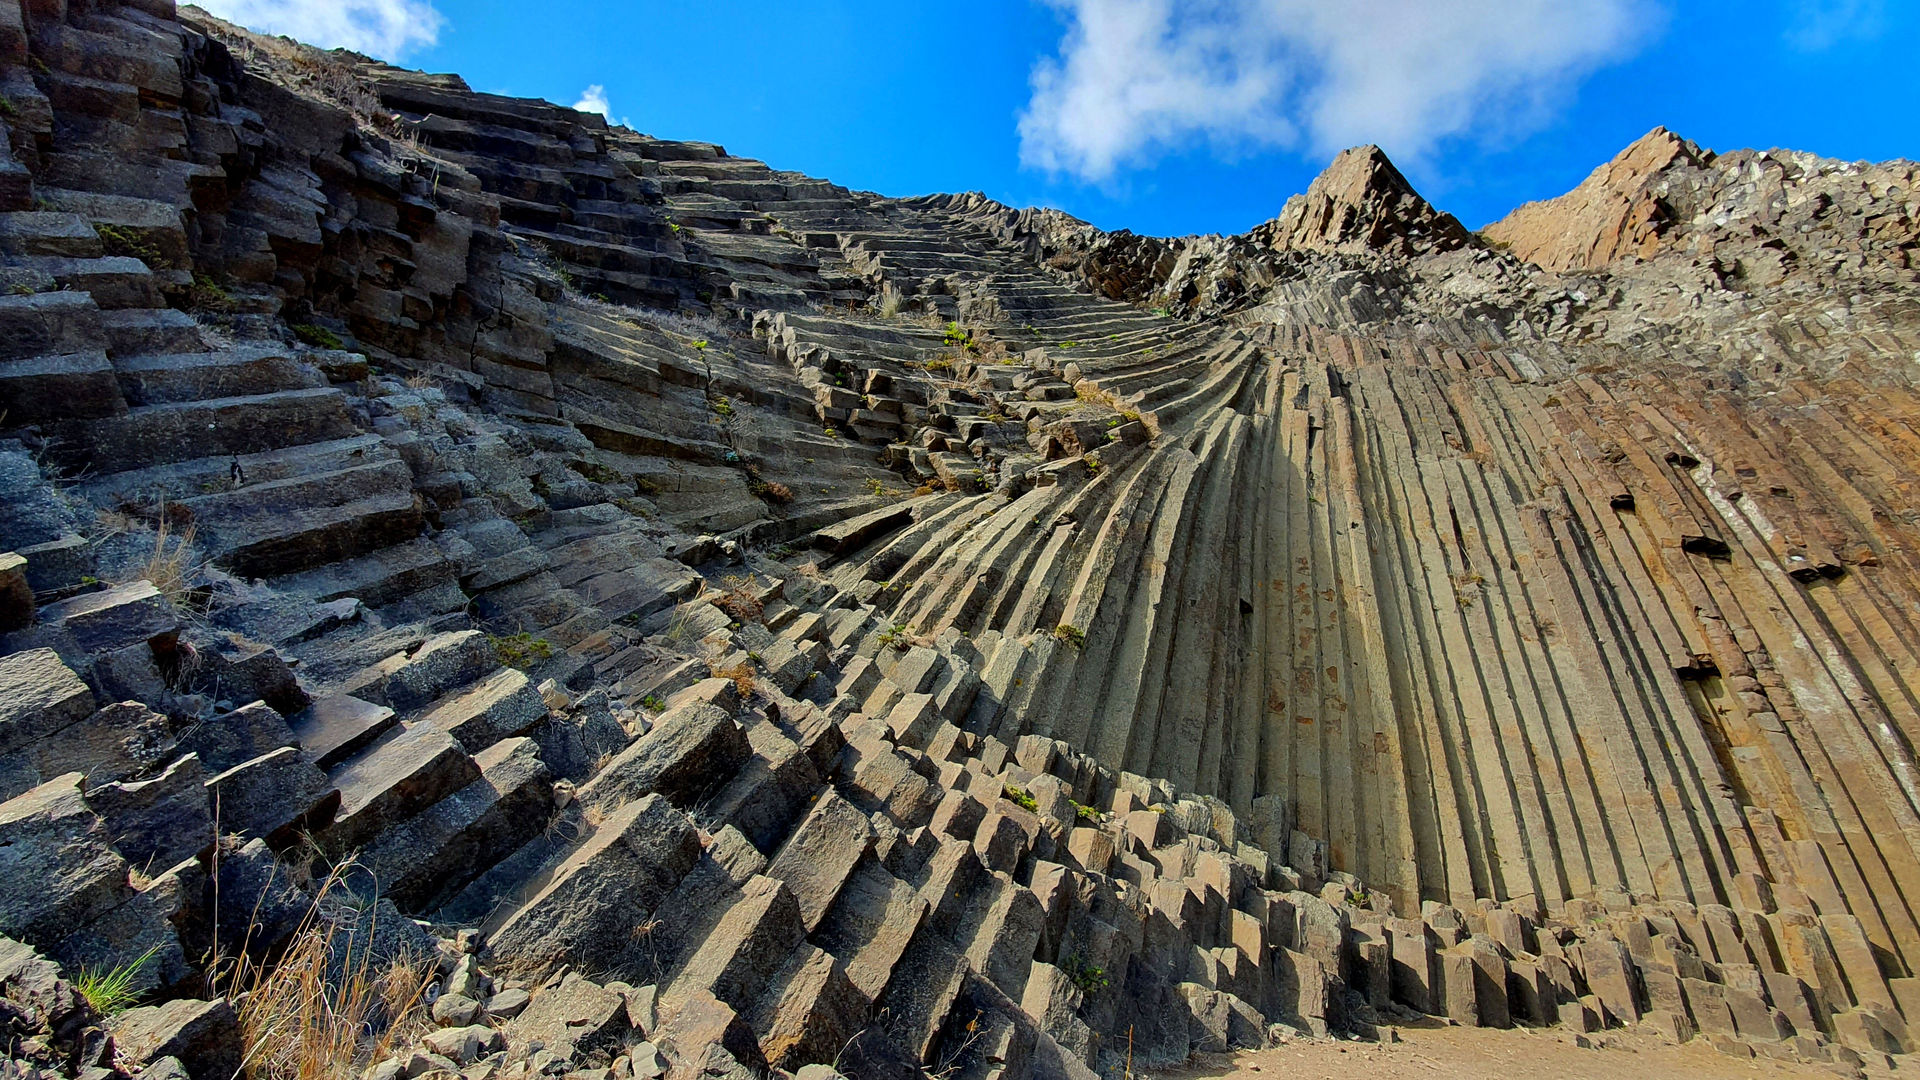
(230, 739)
(577, 1019)
(707, 1039)
(204, 1036)
(57, 870)
(274, 796)
(690, 751)
(587, 912)
(157, 823)
(119, 741)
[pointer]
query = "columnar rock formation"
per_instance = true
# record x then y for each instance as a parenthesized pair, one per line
(768, 625)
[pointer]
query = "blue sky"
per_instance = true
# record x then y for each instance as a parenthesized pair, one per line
(1178, 116)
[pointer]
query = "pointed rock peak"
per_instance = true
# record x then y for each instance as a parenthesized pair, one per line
(1615, 212)
(1360, 204)
(1653, 152)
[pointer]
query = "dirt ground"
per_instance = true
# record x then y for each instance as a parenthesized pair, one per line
(1456, 1053)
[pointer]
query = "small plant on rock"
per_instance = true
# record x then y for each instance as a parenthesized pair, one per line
(652, 703)
(112, 991)
(1020, 798)
(1084, 974)
(317, 336)
(1070, 635)
(739, 602)
(898, 636)
(521, 650)
(206, 294)
(741, 674)
(773, 491)
(118, 241)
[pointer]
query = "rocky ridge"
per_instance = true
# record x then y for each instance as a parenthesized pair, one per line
(725, 622)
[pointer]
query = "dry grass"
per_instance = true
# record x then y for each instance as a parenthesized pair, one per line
(328, 1006)
(739, 602)
(171, 567)
(741, 674)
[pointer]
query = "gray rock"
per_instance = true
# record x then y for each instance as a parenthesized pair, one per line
(57, 871)
(16, 596)
(576, 1019)
(463, 1045)
(587, 912)
(203, 1035)
(507, 1004)
(157, 823)
(272, 796)
(119, 741)
(455, 1010)
(39, 696)
(229, 739)
(690, 752)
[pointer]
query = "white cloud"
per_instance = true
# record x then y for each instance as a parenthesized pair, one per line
(1819, 25)
(594, 99)
(1138, 77)
(388, 29)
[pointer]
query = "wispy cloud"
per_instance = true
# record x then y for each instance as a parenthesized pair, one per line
(388, 29)
(594, 99)
(1135, 78)
(1819, 25)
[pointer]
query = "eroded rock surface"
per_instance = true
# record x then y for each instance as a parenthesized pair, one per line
(757, 625)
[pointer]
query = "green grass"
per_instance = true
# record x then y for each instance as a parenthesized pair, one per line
(1020, 799)
(112, 991)
(317, 336)
(118, 241)
(521, 650)
(1084, 974)
(1071, 635)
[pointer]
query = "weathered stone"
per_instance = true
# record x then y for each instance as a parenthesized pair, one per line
(272, 796)
(121, 740)
(587, 911)
(57, 871)
(708, 1039)
(688, 754)
(39, 696)
(578, 1020)
(204, 1036)
(396, 778)
(821, 854)
(812, 1011)
(231, 738)
(16, 595)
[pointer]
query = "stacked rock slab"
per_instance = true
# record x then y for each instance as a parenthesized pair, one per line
(794, 626)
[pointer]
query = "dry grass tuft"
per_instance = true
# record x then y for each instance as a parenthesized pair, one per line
(741, 674)
(328, 1006)
(171, 567)
(739, 602)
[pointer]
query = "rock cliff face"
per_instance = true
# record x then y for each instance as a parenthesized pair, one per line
(743, 623)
